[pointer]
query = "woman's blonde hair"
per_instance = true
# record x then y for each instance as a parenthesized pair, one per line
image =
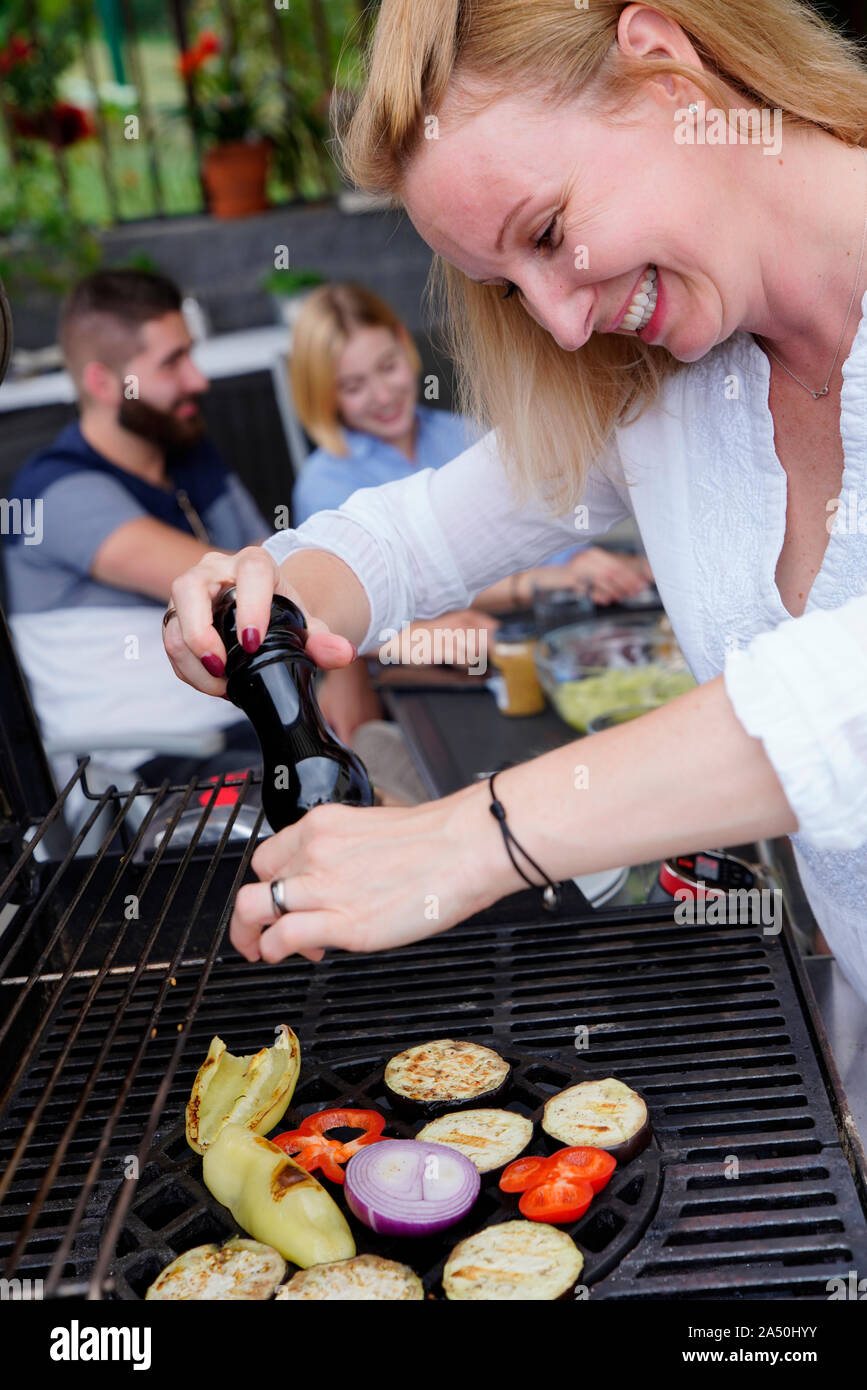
(325, 324)
(555, 410)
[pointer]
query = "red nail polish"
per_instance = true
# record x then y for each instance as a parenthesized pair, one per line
(250, 639)
(213, 665)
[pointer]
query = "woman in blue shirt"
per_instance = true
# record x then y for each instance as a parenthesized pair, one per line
(355, 375)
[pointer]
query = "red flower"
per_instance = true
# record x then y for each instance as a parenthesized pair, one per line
(189, 62)
(193, 58)
(17, 51)
(69, 124)
(61, 125)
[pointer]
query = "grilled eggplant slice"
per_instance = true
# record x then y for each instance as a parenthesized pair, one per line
(525, 1260)
(489, 1138)
(251, 1091)
(364, 1278)
(446, 1074)
(603, 1114)
(239, 1269)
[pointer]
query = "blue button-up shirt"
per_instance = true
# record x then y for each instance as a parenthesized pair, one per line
(327, 480)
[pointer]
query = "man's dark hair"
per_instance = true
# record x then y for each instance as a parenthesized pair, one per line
(103, 315)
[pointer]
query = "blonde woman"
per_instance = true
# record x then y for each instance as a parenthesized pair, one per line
(558, 159)
(355, 374)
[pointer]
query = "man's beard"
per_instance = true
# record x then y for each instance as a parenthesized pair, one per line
(160, 427)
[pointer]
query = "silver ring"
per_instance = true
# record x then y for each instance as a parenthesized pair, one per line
(168, 615)
(277, 896)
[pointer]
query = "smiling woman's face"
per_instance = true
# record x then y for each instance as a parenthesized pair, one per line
(587, 208)
(377, 388)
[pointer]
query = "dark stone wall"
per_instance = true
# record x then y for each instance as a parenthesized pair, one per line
(222, 262)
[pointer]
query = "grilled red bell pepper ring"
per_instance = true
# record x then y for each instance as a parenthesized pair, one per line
(311, 1152)
(312, 1149)
(370, 1121)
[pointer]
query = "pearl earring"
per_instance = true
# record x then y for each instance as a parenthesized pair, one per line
(693, 107)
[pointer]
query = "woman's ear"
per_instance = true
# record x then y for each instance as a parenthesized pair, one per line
(642, 32)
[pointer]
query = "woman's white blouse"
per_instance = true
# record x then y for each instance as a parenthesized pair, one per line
(699, 472)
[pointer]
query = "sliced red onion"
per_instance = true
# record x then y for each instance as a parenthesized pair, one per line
(400, 1187)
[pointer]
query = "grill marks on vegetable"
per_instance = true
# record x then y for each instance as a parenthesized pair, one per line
(363, 1279)
(289, 1176)
(295, 1215)
(253, 1091)
(514, 1260)
(606, 1114)
(447, 1073)
(489, 1138)
(240, 1269)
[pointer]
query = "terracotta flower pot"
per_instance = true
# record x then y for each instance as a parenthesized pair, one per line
(235, 176)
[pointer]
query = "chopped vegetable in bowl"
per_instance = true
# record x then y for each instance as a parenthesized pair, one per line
(579, 702)
(590, 670)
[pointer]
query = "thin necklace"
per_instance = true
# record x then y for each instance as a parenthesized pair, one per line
(197, 526)
(824, 390)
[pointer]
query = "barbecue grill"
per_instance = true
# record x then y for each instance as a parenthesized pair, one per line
(115, 973)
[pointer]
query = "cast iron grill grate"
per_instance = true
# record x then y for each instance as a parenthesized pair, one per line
(173, 1206)
(106, 1018)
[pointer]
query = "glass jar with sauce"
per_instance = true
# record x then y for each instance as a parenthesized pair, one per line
(517, 691)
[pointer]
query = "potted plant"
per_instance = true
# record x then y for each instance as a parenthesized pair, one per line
(235, 163)
(288, 290)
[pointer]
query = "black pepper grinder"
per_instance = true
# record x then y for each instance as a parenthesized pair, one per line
(305, 765)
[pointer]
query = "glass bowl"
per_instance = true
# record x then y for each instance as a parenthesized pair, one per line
(589, 670)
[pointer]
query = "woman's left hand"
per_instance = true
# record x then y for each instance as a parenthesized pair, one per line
(366, 878)
(610, 575)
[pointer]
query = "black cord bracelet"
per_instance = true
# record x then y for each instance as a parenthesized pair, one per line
(552, 892)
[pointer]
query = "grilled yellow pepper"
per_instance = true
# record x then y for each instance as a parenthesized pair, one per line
(274, 1200)
(253, 1091)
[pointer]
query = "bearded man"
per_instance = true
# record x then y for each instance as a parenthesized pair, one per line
(129, 496)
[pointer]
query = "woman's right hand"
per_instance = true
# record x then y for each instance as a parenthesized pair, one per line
(191, 640)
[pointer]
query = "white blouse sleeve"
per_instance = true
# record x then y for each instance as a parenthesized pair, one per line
(427, 544)
(802, 690)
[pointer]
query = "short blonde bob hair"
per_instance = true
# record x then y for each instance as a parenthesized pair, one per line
(325, 324)
(555, 410)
